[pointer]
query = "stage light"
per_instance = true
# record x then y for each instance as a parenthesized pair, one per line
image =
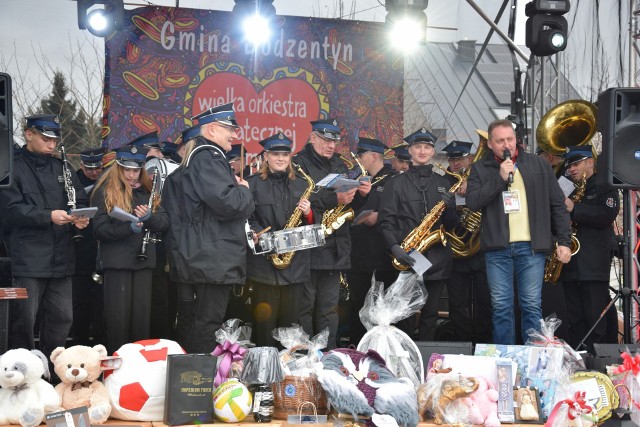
(100, 17)
(546, 29)
(257, 29)
(406, 23)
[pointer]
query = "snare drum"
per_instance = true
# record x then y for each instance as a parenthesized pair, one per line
(292, 239)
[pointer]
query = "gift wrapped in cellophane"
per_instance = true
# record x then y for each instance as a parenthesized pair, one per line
(574, 412)
(626, 378)
(443, 399)
(382, 308)
(233, 340)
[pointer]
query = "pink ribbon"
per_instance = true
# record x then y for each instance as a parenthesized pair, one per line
(629, 364)
(230, 352)
(577, 407)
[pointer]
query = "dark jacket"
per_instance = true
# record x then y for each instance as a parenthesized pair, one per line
(547, 211)
(119, 245)
(276, 199)
(38, 247)
(208, 211)
(86, 248)
(593, 219)
(406, 200)
(335, 254)
(368, 249)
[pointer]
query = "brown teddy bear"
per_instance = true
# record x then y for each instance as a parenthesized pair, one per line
(79, 369)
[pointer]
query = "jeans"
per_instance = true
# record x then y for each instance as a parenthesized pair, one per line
(529, 272)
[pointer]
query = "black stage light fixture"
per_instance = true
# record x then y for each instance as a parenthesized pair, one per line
(407, 23)
(546, 29)
(100, 17)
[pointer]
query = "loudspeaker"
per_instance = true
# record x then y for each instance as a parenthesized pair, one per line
(427, 348)
(6, 131)
(619, 123)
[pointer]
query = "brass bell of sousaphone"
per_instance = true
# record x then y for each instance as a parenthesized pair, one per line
(571, 122)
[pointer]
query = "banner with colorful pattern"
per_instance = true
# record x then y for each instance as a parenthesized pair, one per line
(169, 64)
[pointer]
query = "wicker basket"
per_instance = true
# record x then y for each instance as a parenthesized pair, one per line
(293, 391)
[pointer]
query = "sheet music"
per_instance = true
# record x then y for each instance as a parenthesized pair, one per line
(122, 215)
(566, 185)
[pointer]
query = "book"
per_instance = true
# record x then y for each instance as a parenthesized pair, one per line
(118, 213)
(189, 389)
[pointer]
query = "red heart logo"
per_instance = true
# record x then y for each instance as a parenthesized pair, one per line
(284, 105)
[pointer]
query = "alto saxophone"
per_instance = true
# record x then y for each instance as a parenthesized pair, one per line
(553, 267)
(282, 261)
(334, 218)
(422, 238)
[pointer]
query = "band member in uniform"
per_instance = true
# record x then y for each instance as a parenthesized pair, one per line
(368, 251)
(555, 160)
(40, 242)
(586, 276)
(127, 277)
(402, 160)
(170, 151)
(467, 286)
(87, 294)
(517, 237)
(277, 191)
(321, 295)
(406, 200)
(208, 207)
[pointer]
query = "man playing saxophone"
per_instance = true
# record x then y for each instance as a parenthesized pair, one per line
(282, 201)
(406, 201)
(586, 276)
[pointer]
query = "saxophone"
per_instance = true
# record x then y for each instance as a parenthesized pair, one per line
(553, 267)
(422, 238)
(335, 218)
(282, 261)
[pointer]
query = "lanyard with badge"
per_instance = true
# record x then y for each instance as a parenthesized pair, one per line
(510, 198)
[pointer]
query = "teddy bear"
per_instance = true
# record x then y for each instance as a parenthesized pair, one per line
(483, 405)
(25, 397)
(79, 369)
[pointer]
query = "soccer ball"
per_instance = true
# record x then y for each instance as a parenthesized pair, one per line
(232, 401)
(136, 389)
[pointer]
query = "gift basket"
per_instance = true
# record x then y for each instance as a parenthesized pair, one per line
(233, 340)
(381, 309)
(300, 384)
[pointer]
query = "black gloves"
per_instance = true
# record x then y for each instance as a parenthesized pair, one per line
(449, 200)
(402, 256)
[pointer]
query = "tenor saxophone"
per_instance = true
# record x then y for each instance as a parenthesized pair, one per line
(552, 266)
(422, 238)
(282, 261)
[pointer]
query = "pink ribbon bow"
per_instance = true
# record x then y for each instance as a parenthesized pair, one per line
(577, 407)
(629, 364)
(230, 352)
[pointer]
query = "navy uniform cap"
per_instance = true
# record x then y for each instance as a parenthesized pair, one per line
(277, 142)
(235, 152)
(370, 144)
(148, 140)
(47, 124)
(222, 114)
(189, 133)
(458, 149)
(327, 128)
(422, 135)
(92, 159)
(402, 153)
(131, 156)
(169, 148)
(577, 153)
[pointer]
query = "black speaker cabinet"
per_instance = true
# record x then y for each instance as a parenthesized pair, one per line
(6, 130)
(619, 123)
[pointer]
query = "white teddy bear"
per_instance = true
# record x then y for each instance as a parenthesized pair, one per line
(25, 397)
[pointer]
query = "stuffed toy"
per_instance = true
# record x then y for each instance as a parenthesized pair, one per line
(360, 384)
(444, 397)
(25, 397)
(79, 369)
(483, 405)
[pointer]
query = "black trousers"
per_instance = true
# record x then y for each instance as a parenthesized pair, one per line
(201, 310)
(470, 305)
(585, 301)
(88, 311)
(161, 318)
(359, 285)
(319, 307)
(127, 306)
(274, 306)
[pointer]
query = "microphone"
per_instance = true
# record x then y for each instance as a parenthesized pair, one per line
(507, 156)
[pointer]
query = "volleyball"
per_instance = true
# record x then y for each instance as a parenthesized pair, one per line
(232, 401)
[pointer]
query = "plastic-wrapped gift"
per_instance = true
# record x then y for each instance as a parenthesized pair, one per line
(233, 340)
(443, 398)
(575, 412)
(381, 309)
(626, 376)
(545, 337)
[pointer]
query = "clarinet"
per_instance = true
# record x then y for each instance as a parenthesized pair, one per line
(69, 188)
(147, 235)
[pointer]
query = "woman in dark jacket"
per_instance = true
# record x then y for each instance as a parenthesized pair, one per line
(127, 275)
(277, 292)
